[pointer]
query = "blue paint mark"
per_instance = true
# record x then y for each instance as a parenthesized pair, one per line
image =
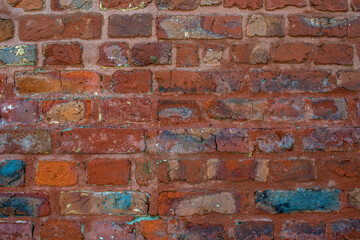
(12, 173)
(118, 200)
(15, 55)
(19, 206)
(300, 200)
(142, 219)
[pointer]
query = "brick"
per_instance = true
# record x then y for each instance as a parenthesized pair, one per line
(199, 203)
(191, 171)
(212, 81)
(291, 52)
(62, 111)
(341, 54)
(109, 203)
(158, 53)
(344, 168)
(3, 79)
(137, 81)
(355, 5)
(213, 53)
(155, 229)
(178, 111)
(251, 53)
(230, 170)
(61, 229)
(244, 4)
(109, 230)
(136, 25)
(237, 137)
(235, 109)
(246, 230)
(290, 81)
(265, 26)
(354, 198)
(21, 55)
(199, 231)
(199, 27)
(346, 229)
(20, 230)
(300, 200)
(329, 108)
(210, 2)
(12, 173)
(24, 205)
(65, 54)
(303, 230)
(277, 4)
(187, 55)
(113, 55)
(124, 5)
(46, 27)
(144, 172)
(59, 5)
(288, 109)
(108, 172)
(177, 5)
(331, 139)
(27, 5)
(125, 110)
(103, 140)
(319, 26)
(349, 80)
(56, 173)
(6, 29)
(298, 170)
(330, 5)
(274, 141)
(25, 141)
(18, 112)
(65, 82)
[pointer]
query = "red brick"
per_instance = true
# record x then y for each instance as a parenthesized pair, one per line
(113, 54)
(104, 140)
(137, 81)
(25, 141)
(230, 170)
(290, 81)
(303, 230)
(235, 109)
(232, 140)
(299, 170)
(244, 4)
(3, 80)
(56, 173)
(177, 5)
(329, 108)
(27, 5)
(187, 55)
(191, 171)
(246, 230)
(266, 26)
(60, 5)
(287, 110)
(274, 141)
(199, 27)
(125, 110)
(319, 26)
(67, 82)
(61, 229)
(198, 231)
(250, 53)
(331, 139)
(136, 25)
(355, 5)
(213, 53)
(124, 5)
(19, 111)
(20, 230)
(277, 4)
(188, 82)
(291, 52)
(155, 229)
(330, 5)
(62, 111)
(45, 27)
(347, 229)
(178, 111)
(109, 230)
(6, 29)
(341, 54)
(63, 54)
(344, 168)
(108, 172)
(144, 171)
(158, 53)
(354, 198)
(349, 80)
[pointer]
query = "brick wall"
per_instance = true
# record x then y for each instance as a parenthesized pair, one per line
(180, 119)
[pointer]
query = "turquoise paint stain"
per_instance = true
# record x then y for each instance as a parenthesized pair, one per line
(11, 167)
(300, 200)
(12, 173)
(118, 200)
(142, 219)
